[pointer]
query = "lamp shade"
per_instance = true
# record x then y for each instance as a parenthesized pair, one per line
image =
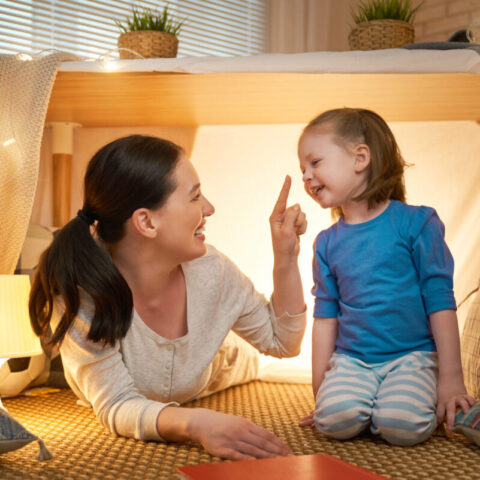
(16, 335)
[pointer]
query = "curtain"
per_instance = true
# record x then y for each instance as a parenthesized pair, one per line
(310, 25)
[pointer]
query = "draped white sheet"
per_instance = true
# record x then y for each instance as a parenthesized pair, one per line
(24, 92)
(242, 167)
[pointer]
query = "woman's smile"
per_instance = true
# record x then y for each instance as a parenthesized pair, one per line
(199, 232)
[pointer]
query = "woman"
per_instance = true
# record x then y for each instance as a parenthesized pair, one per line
(142, 309)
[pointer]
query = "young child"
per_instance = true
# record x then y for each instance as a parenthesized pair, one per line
(386, 348)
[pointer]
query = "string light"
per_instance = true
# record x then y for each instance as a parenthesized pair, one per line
(24, 57)
(8, 142)
(108, 64)
(111, 65)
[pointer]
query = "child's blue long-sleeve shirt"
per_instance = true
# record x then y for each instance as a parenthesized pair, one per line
(382, 279)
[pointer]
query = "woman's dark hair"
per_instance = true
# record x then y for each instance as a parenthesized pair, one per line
(127, 174)
(385, 171)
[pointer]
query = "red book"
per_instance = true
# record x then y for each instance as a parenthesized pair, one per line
(304, 467)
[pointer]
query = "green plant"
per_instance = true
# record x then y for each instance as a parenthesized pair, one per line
(148, 19)
(382, 9)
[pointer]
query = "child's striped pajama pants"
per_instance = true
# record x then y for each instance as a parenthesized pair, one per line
(397, 399)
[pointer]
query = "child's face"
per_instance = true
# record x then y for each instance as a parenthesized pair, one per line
(330, 171)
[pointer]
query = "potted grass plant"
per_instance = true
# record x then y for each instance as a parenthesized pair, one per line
(149, 33)
(383, 24)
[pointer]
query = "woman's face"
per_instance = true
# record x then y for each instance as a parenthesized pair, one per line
(182, 218)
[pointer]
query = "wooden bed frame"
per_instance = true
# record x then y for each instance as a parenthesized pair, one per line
(176, 99)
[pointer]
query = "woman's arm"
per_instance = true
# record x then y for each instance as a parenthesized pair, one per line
(226, 436)
(98, 373)
(277, 328)
(287, 224)
(451, 391)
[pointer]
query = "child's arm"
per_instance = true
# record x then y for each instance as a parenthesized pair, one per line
(324, 335)
(451, 391)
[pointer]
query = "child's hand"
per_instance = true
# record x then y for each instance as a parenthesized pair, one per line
(287, 224)
(451, 394)
(307, 421)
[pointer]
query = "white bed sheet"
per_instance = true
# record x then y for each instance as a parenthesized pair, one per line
(396, 60)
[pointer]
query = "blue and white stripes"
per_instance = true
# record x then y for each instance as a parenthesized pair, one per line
(396, 399)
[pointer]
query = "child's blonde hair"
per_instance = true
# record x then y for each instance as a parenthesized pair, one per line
(385, 171)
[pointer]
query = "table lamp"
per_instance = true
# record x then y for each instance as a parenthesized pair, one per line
(16, 335)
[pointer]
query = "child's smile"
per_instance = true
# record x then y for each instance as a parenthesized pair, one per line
(315, 191)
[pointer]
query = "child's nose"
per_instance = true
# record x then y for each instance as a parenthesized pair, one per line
(306, 176)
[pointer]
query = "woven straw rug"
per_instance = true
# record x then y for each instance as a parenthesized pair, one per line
(83, 450)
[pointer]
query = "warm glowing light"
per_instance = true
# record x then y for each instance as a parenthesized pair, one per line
(242, 180)
(16, 336)
(24, 57)
(8, 142)
(109, 65)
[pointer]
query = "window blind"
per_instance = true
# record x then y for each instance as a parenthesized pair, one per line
(87, 28)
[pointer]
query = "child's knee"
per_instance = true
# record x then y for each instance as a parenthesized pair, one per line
(407, 429)
(342, 420)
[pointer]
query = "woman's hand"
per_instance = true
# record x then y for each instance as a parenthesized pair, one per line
(286, 224)
(232, 437)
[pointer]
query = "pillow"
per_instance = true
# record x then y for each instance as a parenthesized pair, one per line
(14, 436)
(18, 374)
(37, 240)
(469, 423)
(470, 347)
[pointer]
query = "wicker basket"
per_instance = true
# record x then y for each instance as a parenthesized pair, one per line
(379, 34)
(148, 44)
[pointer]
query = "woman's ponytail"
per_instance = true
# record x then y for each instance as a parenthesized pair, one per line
(75, 262)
